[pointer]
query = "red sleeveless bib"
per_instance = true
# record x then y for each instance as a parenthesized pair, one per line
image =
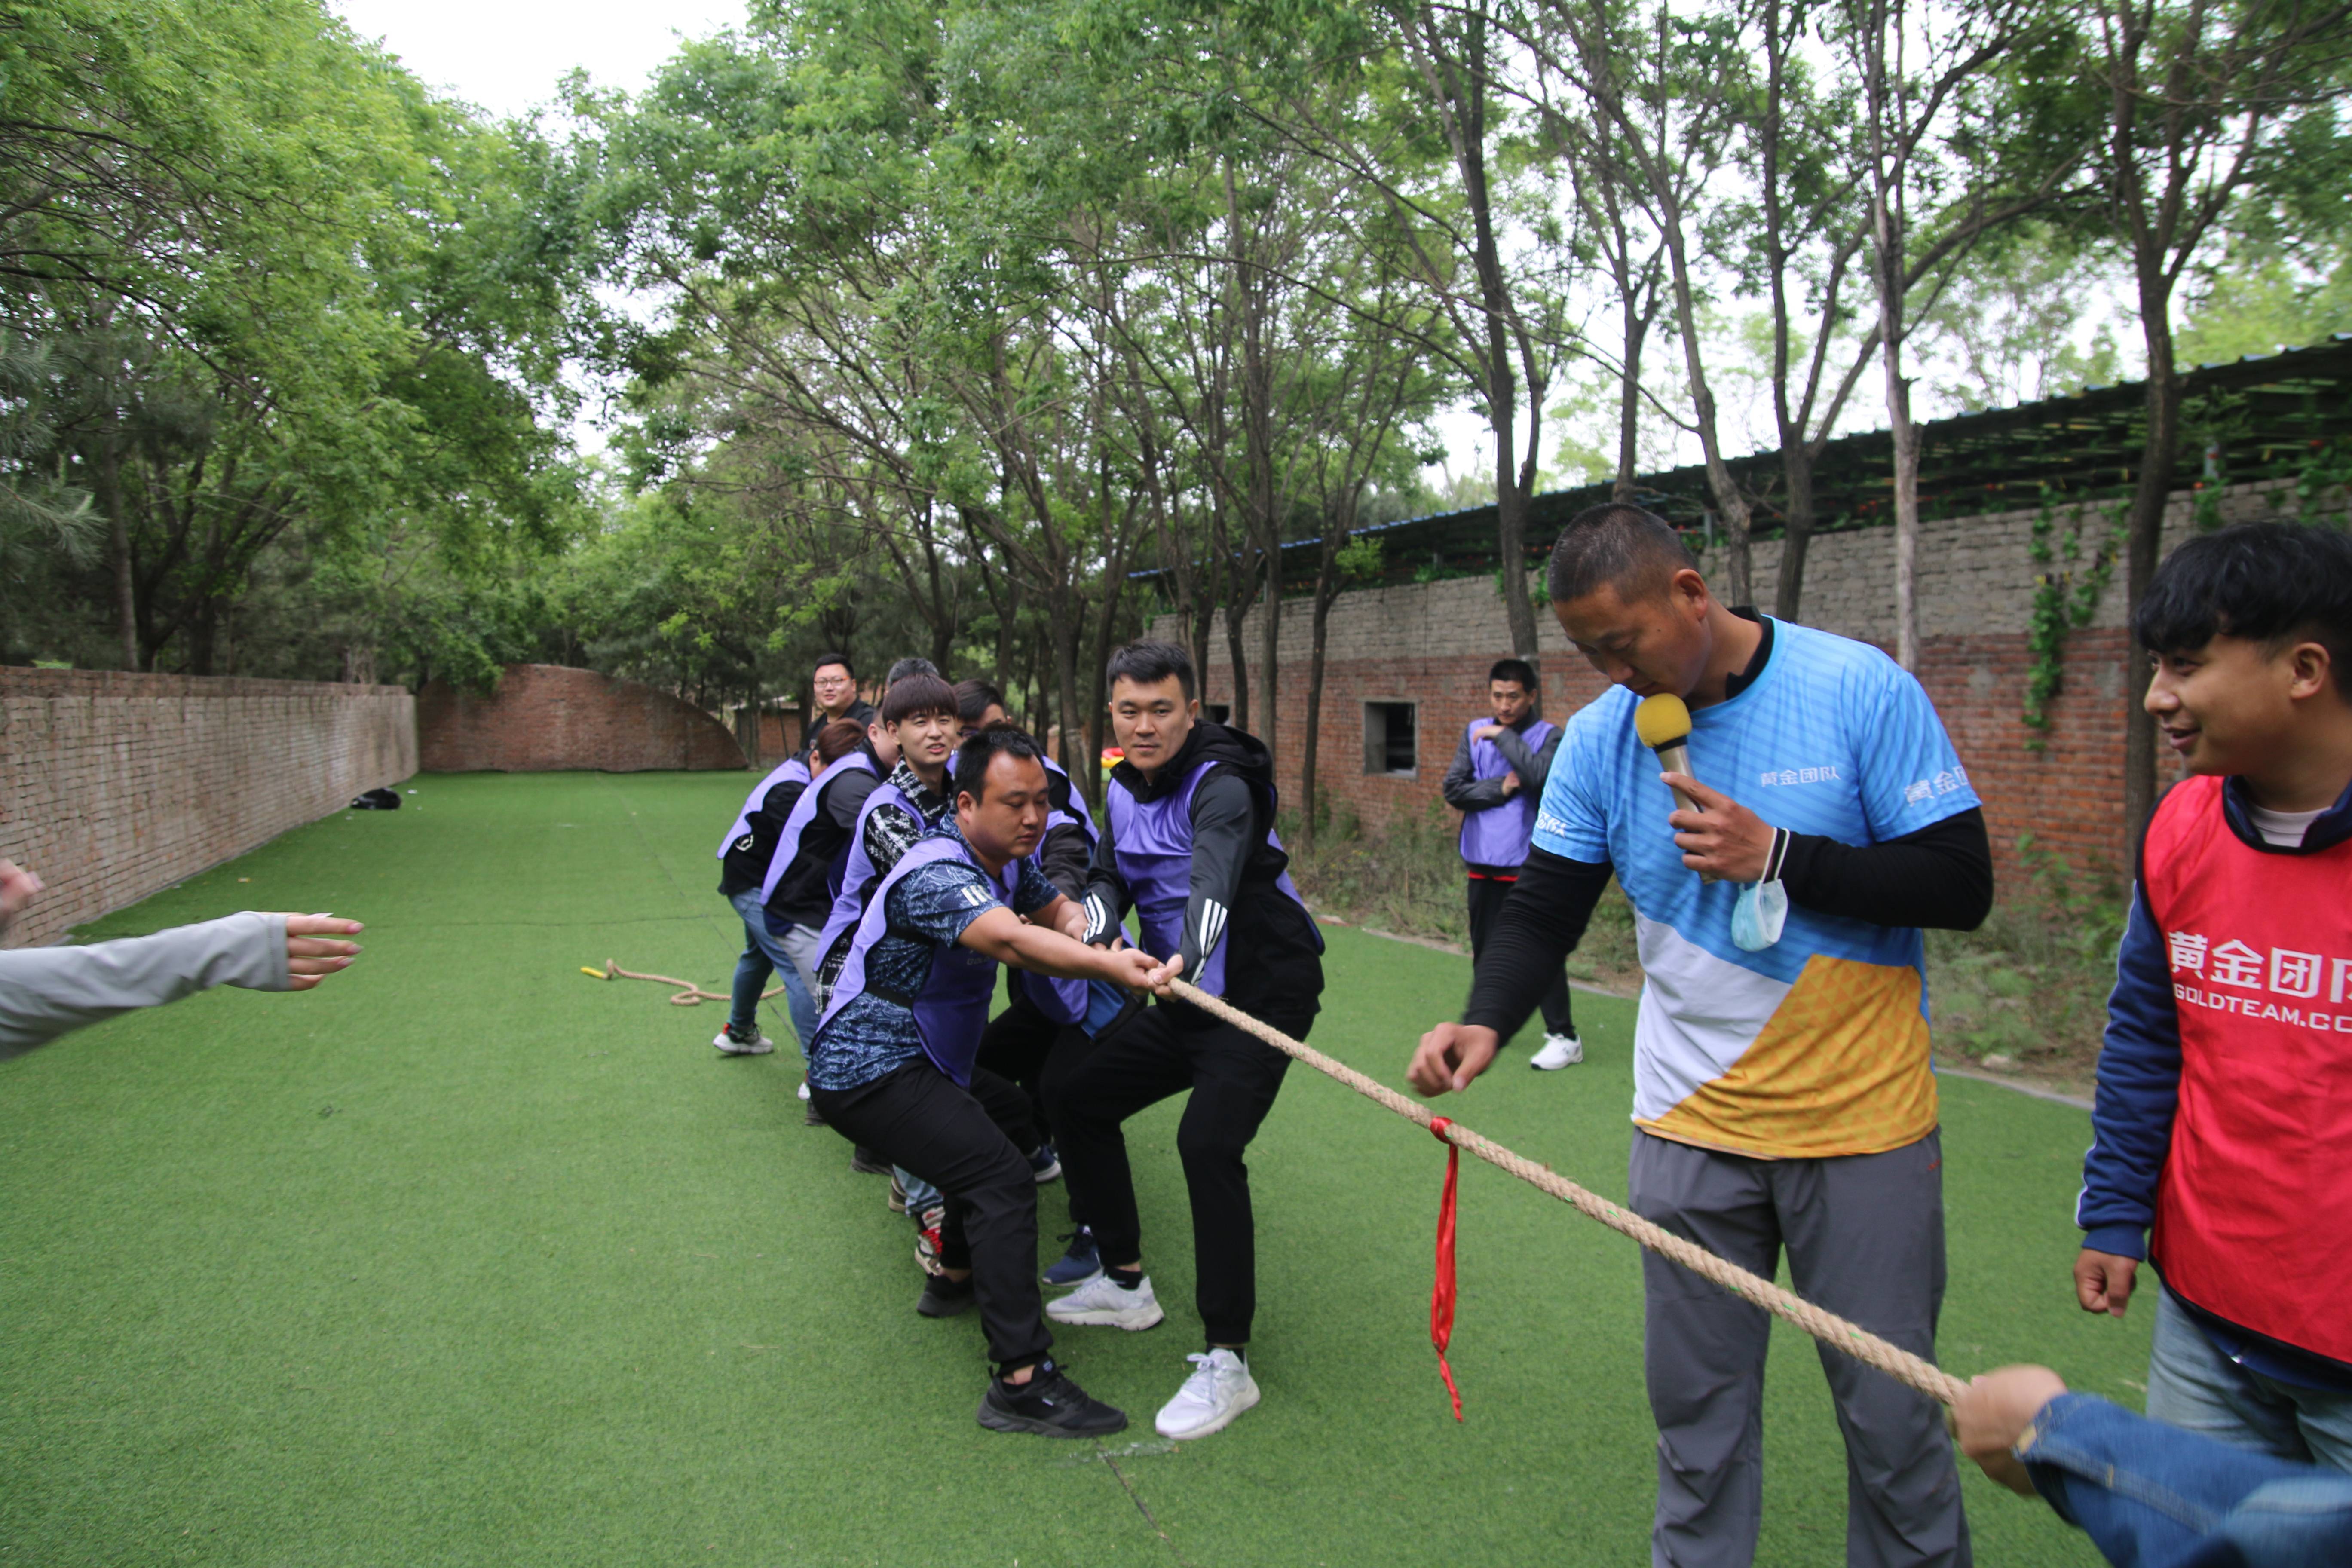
(2253, 1214)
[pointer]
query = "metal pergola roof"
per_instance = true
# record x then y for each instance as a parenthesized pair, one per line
(2260, 417)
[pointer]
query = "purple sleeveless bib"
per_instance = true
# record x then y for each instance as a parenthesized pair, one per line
(951, 1009)
(858, 873)
(804, 810)
(1152, 844)
(1062, 1000)
(793, 770)
(1501, 834)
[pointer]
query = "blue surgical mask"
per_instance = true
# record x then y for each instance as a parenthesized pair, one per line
(1763, 906)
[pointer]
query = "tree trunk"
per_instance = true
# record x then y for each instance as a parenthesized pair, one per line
(1629, 402)
(1269, 660)
(2144, 544)
(118, 537)
(1237, 648)
(1068, 628)
(1797, 535)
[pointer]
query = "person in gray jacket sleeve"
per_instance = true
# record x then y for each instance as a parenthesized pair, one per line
(1497, 778)
(46, 992)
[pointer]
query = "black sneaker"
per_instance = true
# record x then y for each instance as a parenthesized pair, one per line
(1049, 1405)
(1044, 1164)
(945, 1298)
(867, 1162)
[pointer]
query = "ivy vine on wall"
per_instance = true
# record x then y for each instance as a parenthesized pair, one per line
(2066, 594)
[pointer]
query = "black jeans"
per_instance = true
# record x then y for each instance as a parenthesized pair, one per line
(967, 1144)
(1487, 895)
(1234, 1080)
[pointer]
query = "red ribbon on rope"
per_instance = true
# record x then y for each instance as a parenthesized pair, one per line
(1441, 1292)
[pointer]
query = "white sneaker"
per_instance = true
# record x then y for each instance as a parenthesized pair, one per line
(1101, 1301)
(803, 1088)
(734, 1045)
(1557, 1051)
(1220, 1388)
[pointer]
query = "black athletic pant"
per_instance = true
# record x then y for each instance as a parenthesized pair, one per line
(1233, 1078)
(967, 1144)
(1488, 892)
(1016, 1045)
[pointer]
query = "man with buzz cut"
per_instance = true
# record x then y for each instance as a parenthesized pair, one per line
(1187, 841)
(1498, 774)
(833, 693)
(1782, 1095)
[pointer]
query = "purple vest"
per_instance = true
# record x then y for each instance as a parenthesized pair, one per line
(857, 873)
(804, 810)
(1062, 1000)
(793, 770)
(1152, 844)
(1500, 834)
(951, 1009)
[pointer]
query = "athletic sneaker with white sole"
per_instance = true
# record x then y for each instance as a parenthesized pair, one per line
(1103, 1302)
(1220, 1388)
(753, 1044)
(1050, 1405)
(1557, 1051)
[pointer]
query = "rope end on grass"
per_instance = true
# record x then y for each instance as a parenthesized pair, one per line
(593, 973)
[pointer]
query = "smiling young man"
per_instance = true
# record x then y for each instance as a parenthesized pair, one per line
(1497, 776)
(2225, 1107)
(1782, 1094)
(833, 690)
(1187, 841)
(893, 1065)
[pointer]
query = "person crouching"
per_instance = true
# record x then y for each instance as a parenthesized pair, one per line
(892, 1064)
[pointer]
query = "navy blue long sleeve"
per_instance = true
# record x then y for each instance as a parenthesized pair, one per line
(2138, 1093)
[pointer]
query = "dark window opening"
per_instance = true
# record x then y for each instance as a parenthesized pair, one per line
(1389, 739)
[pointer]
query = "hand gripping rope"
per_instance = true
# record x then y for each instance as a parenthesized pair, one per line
(1898, 1363)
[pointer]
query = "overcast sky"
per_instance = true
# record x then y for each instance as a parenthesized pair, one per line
(507, 55)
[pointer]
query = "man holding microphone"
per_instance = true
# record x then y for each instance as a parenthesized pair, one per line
(1782, 1091)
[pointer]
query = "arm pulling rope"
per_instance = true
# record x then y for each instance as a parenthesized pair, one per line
(1855, 1341)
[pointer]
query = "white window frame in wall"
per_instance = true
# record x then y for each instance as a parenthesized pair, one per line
(1377, 737)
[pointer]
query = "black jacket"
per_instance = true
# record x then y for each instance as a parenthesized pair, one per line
(1274, 961)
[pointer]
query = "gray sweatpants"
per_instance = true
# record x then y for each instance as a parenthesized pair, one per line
(1865, 1240)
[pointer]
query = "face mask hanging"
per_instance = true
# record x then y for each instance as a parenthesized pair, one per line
(1763, 906)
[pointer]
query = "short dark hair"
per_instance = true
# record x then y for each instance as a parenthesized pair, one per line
(1517, 669)
(1617, 545)
(974, 698)
(838, 739)
(972, 758)
(1148, 664)
(906, 666)
(840, 658)
(913, 695)
(2272, 583)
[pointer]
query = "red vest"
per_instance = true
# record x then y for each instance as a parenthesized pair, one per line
(2253, 1214)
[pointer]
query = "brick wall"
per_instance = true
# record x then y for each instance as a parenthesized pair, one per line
(545, 718)
(113, 786)
(1431, 645)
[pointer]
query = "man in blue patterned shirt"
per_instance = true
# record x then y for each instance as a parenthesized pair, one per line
(892, 1065)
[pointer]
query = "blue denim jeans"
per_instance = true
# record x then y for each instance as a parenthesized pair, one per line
(2192, 1385)
(2151, 1496)
(762, 955)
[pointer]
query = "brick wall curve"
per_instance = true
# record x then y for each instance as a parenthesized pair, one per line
(546, 718)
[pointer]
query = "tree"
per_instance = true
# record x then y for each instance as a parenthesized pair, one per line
(2204, 101)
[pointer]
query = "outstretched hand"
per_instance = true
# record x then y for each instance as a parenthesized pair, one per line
(17, 889)
(310, 954)
(1450, 1056)
(1723, 838)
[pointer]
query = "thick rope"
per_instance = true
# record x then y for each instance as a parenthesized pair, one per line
(1827, 1327)
(689, 994)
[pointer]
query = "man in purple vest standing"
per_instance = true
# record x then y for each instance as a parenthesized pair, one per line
(1497, 778)
(1187, 841)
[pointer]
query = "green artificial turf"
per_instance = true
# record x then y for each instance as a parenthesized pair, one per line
(465, 1258)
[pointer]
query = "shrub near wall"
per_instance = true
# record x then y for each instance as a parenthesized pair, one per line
(114, 785)
(547, 717)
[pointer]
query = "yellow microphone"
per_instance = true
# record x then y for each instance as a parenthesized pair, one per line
(1663, 725)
